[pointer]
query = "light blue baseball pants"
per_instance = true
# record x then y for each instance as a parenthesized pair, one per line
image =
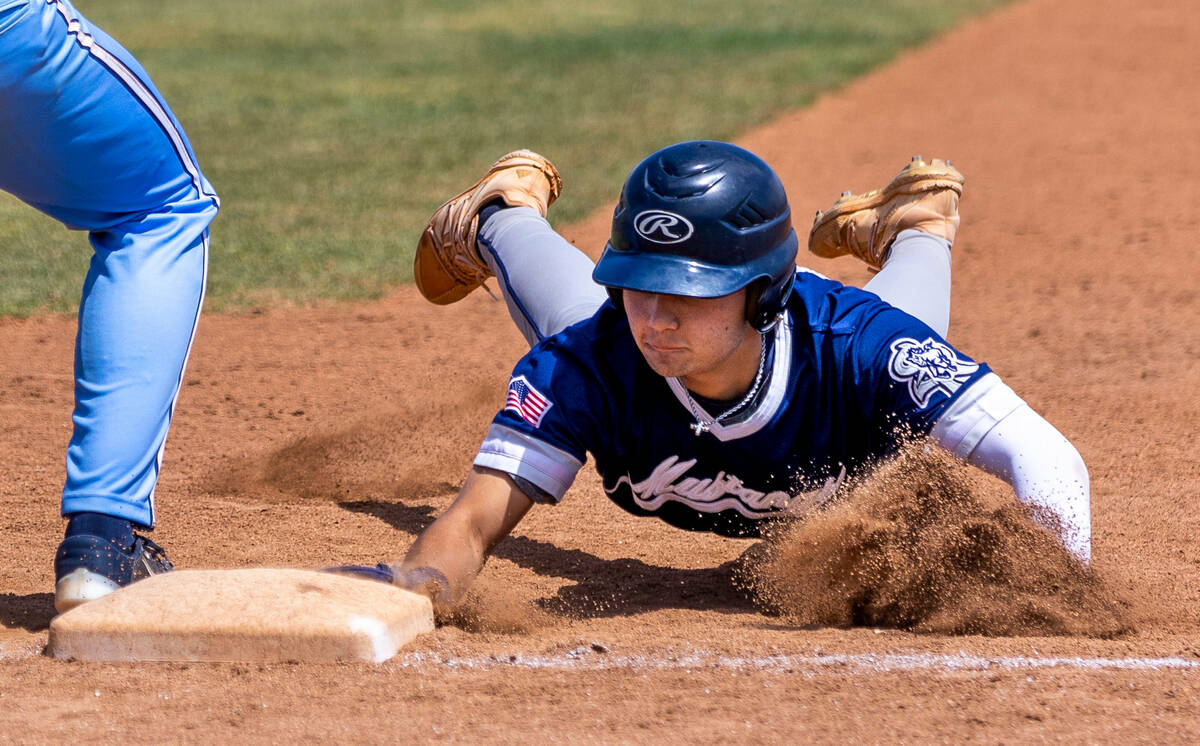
(86, 138)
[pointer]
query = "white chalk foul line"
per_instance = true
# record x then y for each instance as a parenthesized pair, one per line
(586, 659)
(9, 651)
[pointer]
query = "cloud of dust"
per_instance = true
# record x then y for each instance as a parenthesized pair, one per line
(488, 608)
(413, 452)
(929, 544)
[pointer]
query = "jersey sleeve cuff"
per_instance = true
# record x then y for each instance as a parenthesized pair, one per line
(975, 412)
(513, 452)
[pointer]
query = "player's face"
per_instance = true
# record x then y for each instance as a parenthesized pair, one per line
(705, 342)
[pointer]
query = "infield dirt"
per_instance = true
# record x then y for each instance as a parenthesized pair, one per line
(313, 437)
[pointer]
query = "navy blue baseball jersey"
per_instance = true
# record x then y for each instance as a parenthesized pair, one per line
(845, 373)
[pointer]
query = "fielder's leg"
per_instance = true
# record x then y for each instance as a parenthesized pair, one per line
(89, 141)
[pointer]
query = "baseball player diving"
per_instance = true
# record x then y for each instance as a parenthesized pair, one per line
(86, 138)
(714, 384)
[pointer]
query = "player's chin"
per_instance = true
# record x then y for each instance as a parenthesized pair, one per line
(668, 363)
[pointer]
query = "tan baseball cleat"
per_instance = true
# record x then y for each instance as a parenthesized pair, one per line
(923, 196)
(448, 266)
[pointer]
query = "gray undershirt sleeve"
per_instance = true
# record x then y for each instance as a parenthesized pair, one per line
(916, 278)
(546, 282)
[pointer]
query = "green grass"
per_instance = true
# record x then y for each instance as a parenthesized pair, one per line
(332, 128)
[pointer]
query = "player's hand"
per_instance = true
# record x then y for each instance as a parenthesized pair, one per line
(381, 572)
(428, 581)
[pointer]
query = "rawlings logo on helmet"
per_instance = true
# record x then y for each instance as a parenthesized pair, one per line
(661, 226)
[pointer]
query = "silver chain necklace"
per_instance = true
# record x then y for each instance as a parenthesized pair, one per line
(704, 424)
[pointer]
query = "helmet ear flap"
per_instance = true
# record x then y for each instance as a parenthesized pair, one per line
(766, 299)
(754, 293)
(617, 298)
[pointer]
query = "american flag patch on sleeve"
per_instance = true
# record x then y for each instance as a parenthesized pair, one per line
(526, 401)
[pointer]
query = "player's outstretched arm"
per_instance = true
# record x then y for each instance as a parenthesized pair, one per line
(1045, 471)
(447, 555)
(995, 430)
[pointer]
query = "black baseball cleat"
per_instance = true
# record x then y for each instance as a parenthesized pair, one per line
(381, 572)
(87, 567)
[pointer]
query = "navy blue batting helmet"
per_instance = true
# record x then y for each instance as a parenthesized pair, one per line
(703, 219)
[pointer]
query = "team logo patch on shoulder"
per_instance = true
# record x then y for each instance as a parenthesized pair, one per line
(529, 403)
(928, 367)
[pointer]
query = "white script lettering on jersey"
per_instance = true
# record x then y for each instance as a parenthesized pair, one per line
(722, 492)
(927, 367)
